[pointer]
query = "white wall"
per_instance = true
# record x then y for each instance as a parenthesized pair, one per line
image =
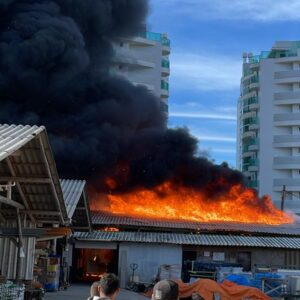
(148, 257)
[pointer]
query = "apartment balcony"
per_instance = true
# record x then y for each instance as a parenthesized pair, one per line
(253, 144)
(165, 67)
(254, 86)
(286, 98)
(247, 133)
(253, 165)
(252, 184)
(287, 76)
(286, 141)
(164, 89)
(246, 152)
(150, 87)
(248, 114)
(287, 162)
(133, 62)
(252, 122)
(287, 119)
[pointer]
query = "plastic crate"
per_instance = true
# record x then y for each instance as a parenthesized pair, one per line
(10, 291)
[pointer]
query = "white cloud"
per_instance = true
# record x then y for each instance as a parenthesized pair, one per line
(205, 72)
(202, 115)
(257, 10)
(223, 150)
(214, 138)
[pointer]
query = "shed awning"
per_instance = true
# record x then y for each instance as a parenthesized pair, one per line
(191, 239)
(27, 162)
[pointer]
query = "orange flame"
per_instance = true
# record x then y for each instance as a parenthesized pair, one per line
(184, 203)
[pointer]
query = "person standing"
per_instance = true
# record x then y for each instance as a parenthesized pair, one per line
(165, 290)
(106, 289)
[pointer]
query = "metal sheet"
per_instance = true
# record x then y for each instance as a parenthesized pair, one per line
(72, 191)
(8, 255)
(95, 245)
(149, 258)
(192, 239)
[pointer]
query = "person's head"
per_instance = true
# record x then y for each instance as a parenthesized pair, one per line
(94, 291)
(109, 286)
(165, 290)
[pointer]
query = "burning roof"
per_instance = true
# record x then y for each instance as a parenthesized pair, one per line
(100, 218)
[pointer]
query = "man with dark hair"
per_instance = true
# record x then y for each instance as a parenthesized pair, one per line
(108, 288)
(165, 290)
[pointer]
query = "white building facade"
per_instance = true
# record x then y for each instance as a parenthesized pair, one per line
(268, 131)
(144, 60)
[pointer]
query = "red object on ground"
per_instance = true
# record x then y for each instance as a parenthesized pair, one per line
(227, 290)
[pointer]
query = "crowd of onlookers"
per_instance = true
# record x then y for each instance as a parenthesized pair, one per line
(109, 286)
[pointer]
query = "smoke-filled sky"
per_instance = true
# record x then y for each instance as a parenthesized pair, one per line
(208, 38)
(54, 70)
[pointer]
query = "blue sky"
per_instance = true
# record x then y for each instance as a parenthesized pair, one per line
(208, 38)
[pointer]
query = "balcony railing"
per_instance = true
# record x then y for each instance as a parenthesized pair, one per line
(164, 85)
(252, 184)
(252, 142)
(153, 36)
(165, 63)
(250, 121)
(253, 162)
(251, 100)
(254, 79)
(164, 107)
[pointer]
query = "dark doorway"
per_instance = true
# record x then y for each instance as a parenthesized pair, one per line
(90, 264)
(244, 259)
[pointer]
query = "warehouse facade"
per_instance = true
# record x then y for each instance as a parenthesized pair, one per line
(152, 244)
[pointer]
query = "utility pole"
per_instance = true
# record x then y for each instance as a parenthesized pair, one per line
(283, 197)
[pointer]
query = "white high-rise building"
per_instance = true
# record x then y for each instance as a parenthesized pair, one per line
(268, 132)
(144, 60)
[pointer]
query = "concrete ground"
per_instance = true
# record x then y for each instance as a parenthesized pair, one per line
(81, 292)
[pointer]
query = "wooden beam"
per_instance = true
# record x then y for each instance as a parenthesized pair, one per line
(81, 227)
(54, 192)
(20, 190)
(10, 202)
(87, 208)
(80, 208)
(32, 212)
(24, 179)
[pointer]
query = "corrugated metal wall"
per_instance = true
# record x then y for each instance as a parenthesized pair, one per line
(8, 255)
(148, 257)
(292, 259)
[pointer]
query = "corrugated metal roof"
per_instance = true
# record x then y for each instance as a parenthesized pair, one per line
(190, 239)
(106, 219)
(33, 169)
(13, 137)
(76, 201)
(72, 191)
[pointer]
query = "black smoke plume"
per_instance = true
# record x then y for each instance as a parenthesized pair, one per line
(54, 71)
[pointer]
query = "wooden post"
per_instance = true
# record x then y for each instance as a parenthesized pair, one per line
(20, 248)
